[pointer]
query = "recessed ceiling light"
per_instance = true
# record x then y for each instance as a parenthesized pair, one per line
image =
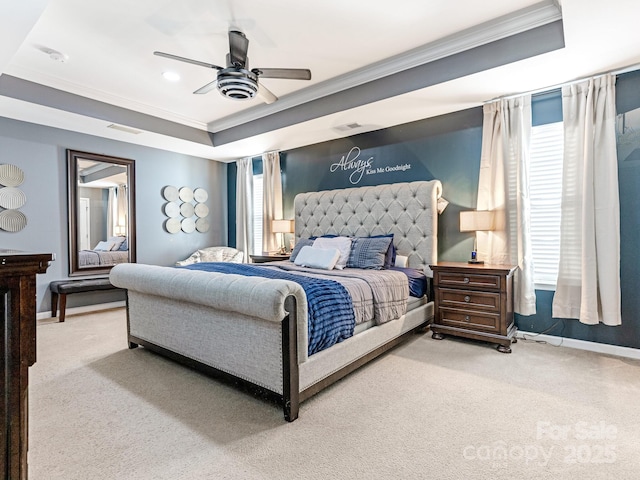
(171, 76)
(54, 54)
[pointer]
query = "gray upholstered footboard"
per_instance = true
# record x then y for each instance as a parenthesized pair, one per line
(240, 326)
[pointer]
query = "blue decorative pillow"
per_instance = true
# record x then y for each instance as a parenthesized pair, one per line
(303, 242)
(124, 245)
(390, 257)
(369, 252)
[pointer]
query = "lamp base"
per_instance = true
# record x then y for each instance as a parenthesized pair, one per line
(474, 261)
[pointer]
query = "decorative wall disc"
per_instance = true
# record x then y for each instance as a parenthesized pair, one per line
(11, 175)
(186, 194)
(11, 197)
(172, 225)
(202, 225)
(181, 210)
(170, 193)
(200, 195)
(12, 220)
(171, 209)
(186, 210)
(188, 225)
(201, 210)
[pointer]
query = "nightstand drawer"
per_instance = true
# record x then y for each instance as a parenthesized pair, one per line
(468, 299)
(469, 320)
(469, 280)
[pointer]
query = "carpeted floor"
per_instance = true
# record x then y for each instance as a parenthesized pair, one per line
(449, 409)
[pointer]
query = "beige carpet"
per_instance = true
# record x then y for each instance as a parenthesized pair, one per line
(429, 409)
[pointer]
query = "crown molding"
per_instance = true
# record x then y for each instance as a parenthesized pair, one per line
(537, 15)
(100, 95)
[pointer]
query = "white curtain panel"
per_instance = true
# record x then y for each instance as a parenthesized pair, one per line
(503, 187)
(244, 207)
(122, 206)
(588, 286)
(112, 205)
(272, 199)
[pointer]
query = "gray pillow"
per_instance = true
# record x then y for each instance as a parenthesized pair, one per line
(303, 242)
(368, 252)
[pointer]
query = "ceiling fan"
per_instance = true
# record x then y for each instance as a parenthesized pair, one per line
(235, 80)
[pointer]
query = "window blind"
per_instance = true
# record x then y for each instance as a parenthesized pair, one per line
(545, 191)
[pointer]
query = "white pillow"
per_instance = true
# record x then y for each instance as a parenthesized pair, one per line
(213, 255)
(401, 261)
(343, 244)
(324, 258)
(104, 246)
(117, 241)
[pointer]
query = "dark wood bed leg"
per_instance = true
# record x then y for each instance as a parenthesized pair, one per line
(290, 380)
(132, 344)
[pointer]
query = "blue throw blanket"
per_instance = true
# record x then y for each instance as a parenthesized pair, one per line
(330, 310)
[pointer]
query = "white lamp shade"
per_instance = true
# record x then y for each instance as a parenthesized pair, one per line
(282, 226)
(475, 221)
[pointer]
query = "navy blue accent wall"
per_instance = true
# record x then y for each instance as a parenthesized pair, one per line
(448, 148)
(546, 108)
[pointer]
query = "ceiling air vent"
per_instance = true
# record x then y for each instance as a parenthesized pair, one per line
(347, 126)
(124, 129)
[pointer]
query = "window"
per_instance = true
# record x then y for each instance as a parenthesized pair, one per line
(257, 214)
(545, 191)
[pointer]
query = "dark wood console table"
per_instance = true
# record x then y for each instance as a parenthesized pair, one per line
(17, 353)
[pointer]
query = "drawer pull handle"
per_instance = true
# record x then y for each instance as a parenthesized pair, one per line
(467, 298)
(466, 318)
(466, 280)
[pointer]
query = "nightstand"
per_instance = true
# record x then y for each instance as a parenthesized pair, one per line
(266, 257)
(474, 301)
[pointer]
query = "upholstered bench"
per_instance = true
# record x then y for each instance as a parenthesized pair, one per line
(62, 288)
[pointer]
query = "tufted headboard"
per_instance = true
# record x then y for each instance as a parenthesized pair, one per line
(408, 210)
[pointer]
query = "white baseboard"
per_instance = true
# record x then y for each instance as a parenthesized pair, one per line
(582, 345)
(85, 309)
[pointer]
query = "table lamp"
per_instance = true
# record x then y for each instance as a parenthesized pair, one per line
(476, 221)
(282, 227)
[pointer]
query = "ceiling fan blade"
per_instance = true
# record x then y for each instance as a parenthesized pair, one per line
(291, 73)
(265, 94)
(238, 46)
(207, 88)
(187, 60)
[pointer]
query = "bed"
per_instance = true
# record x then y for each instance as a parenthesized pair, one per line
(112, 251)
(96, 257)
(254, 331)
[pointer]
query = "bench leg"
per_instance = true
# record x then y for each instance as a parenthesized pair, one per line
(54, 304)
(63, 306)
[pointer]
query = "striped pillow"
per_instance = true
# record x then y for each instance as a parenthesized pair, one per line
(369, 252)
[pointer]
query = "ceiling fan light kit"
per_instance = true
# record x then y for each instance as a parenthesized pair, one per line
(236, 81)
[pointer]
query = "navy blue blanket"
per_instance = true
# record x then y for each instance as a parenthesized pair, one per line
(330, 310)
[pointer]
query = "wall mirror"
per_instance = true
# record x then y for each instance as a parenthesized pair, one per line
(102, 226)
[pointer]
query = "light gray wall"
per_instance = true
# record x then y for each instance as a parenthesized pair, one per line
(41, 153)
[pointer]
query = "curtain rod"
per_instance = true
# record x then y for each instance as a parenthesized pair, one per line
(618, 71)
